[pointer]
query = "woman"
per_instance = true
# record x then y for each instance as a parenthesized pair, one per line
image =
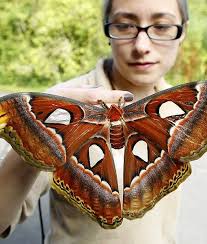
(145, 36)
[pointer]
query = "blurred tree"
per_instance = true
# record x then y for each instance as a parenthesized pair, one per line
(42, 42)
(192, 61)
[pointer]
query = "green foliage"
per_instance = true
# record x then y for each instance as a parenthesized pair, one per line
(45, 42)
(192, 61)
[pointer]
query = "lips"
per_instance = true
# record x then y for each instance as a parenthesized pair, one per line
(142, 65)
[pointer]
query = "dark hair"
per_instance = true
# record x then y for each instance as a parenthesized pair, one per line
(183, 6)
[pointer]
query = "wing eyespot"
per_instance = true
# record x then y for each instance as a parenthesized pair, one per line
(169, 109)
(140, 149)
(95, 154)
(59, 116)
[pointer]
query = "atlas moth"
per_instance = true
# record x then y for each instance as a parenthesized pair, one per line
(75, 140)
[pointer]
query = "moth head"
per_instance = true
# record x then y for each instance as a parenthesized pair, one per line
(114, 113)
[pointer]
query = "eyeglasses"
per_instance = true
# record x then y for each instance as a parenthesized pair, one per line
(160, 32)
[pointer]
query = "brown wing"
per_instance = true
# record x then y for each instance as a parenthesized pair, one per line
(171, 140)
(24, 124)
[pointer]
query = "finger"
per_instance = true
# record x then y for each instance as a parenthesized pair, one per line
(93, 96)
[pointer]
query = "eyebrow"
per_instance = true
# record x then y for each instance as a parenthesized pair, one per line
(125, 15)
(133, 16)
(161, 15)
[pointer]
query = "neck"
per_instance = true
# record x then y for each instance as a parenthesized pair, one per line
(140, 90)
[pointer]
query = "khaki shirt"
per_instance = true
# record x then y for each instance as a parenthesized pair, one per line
(70, 226)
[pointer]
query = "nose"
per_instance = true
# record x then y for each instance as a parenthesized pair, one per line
(142, 43)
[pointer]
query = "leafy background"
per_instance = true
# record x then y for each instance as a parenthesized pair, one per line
(43, 42)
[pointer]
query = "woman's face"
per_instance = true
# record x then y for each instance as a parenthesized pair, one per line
(142, 60)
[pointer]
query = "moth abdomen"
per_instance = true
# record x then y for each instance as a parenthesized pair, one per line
(117, 138)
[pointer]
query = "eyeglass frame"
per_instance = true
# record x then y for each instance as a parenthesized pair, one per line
(145, 29)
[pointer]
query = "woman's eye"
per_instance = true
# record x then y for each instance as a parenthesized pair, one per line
(162, 27)
(124, 26)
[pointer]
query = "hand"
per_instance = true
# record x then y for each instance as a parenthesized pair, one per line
(90, 94)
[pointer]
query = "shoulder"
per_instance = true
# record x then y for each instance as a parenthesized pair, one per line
(95, 77)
